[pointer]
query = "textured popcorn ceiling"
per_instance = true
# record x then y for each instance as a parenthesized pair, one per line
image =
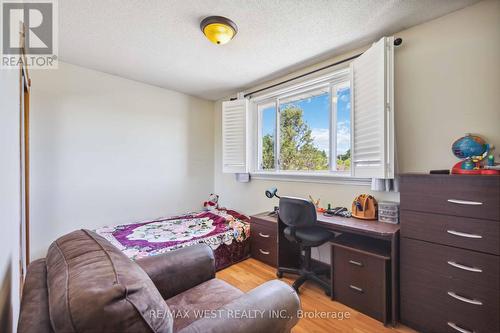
(159, 41)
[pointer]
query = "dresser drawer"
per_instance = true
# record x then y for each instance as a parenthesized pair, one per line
(472, 268)
(441, 285)
(427, 306)
(469, 196)
(263, 242)
(360, 281)
(467, 233)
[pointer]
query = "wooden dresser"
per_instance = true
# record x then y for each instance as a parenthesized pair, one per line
(450, 253)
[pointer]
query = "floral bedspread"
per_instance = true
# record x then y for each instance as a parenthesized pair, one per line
(149, 238)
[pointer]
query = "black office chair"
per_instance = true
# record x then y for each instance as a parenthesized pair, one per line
(299, 215)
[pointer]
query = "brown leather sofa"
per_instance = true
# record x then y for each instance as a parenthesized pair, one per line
(85, 284)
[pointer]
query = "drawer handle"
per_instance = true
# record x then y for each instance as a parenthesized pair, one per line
(464, 234)
(358, 289)
(465, 299)
(458, 328)
(465, 202)
(264, 235)
(264, 252)
(464, 267)
(356, 263)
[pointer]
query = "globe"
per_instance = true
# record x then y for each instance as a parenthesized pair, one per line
(469, 146)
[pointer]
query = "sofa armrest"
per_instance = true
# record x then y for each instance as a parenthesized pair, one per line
(180, 270)
(34, 313)
(272, 307)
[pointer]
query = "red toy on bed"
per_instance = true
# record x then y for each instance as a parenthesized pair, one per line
(212, 203)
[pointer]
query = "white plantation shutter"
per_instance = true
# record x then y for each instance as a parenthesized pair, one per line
(372, 102)
(235, 134)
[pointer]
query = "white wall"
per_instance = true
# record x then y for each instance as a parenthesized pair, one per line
(448, 84)
(10, 199)
(107, 150)
(447, 79)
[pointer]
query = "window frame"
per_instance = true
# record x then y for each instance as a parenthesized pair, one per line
(259, 135)
(331, 81)
(334, 90)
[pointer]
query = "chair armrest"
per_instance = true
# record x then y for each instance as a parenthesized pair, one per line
(272, 307)
(180, 270)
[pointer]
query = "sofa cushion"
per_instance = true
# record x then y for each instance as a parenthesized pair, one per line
(94, 287)
(186, 307)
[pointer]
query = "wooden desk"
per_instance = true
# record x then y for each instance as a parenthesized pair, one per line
(289, 253)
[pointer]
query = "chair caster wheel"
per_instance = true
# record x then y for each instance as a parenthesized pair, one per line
(279, 274)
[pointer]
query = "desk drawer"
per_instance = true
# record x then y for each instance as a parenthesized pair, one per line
(265, 220)
(263, 243)
(360, 281)
(264, 251)
(264, 232)
(467, 233)
(469, 196)
(359, 268)
(436, 297)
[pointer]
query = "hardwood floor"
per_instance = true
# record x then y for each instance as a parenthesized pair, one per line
(250, 273)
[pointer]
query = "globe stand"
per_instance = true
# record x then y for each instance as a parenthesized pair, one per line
(457, 170)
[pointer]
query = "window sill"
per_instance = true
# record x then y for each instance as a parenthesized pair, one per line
(319, 178)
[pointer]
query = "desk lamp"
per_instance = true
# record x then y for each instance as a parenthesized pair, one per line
(270, 193)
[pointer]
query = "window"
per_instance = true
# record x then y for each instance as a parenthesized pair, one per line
(306, 129)
(312, 129)
(342, 104)
(267, 135)
(304, 142)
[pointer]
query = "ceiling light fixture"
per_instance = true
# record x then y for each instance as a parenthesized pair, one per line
(219, 30)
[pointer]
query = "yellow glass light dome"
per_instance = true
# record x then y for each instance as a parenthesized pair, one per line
(219, 30)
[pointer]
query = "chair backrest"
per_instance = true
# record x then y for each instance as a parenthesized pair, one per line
(297, 212)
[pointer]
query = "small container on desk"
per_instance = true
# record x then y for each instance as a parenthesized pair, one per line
(388, 211)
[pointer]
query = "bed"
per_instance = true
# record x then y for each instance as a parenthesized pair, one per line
(226, 231)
